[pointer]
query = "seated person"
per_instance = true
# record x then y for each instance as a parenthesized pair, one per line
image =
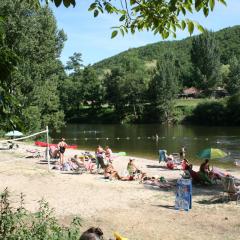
(204, 172)
(53, 152)
(108, 154)
(231, 186)
(110, 172)
(194, 175)
(133, 170)
(184, 164)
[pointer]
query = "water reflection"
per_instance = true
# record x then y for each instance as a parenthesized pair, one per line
(140, 140)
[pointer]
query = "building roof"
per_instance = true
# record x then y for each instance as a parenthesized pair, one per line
(191, 90)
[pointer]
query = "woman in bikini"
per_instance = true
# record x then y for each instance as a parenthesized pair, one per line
(61, 148)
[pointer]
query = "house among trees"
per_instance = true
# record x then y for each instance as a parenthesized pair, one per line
(219, 92)
(191, 92)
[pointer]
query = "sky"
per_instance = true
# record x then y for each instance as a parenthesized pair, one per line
(92, 36)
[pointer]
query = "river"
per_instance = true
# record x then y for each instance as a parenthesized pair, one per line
(140, 140)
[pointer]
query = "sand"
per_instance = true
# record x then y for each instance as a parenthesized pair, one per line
(136, 212)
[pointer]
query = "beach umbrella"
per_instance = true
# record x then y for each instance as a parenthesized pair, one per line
(211, 153)
(14, 133)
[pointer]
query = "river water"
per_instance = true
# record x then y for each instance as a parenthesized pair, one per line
(140, 140)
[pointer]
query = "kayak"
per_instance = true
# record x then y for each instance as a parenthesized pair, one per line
(44, 144)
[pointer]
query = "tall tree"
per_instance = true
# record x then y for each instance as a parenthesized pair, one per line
(205, 57)
(33, 36)
(92, 88)
(126, 87)
(233, 79)
(163, 88)
(75, 63)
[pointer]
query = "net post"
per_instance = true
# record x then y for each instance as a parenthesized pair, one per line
(48, 160)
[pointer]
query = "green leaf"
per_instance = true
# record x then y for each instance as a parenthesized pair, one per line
(114, 34)
(66, 3)
(183, 23)
(96, 12)
(198, 5)
(212, 4)
(223, 2)
(190, 27)
(200, 28)
(205, 11)
(165, 34)
(122, 31)
(73, 2)
(92, 6)
(122, 18)
(57, 2)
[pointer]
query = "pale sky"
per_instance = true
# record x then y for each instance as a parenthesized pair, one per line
(92, 36)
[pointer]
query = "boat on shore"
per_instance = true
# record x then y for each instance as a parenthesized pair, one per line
(44, 144)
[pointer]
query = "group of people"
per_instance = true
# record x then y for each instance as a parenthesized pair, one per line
(103, 160)
(204, 175)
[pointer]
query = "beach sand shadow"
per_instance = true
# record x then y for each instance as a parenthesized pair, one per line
(164, 206)
(162, 167)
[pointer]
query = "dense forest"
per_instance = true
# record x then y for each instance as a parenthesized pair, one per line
(139, 85)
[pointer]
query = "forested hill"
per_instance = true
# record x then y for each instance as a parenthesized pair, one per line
(228, 38)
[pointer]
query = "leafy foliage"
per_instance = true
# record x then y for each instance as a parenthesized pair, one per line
(164, 87)
(30, 86)
(233, 78)
(163, 17)
(23, 225)
(206, 61)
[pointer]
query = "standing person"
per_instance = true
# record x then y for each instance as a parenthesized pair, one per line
(99, 156)
(61, 148)
(182, 152)
(108, 154)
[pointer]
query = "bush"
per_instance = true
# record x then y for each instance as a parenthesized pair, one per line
(20, 224)
(209, 113)
(233, 109)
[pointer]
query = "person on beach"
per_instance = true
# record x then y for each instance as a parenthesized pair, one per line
(204, 172)
(182, 152)
(184, 164)
(108, 154)
(92, 234)
(111, 173)
(99, 156)
(133, 170)
(61, 148)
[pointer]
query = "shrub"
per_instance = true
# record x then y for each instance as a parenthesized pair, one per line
(20, 224)
(209, 113)
(233, 109)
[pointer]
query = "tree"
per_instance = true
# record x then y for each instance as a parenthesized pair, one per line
(233, 80)
(163, 88)
(32, 35)
(205, 57)
(126, 88)
(75, 63)
(8, 103)
(163, 17)
(92, 89)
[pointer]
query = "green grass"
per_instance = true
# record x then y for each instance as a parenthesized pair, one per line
(189, 102)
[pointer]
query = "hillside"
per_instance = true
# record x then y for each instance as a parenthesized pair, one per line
(229, 42)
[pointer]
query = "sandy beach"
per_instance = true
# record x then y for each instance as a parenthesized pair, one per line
(138, 213)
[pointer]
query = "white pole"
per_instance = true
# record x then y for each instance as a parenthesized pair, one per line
(48, 159)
